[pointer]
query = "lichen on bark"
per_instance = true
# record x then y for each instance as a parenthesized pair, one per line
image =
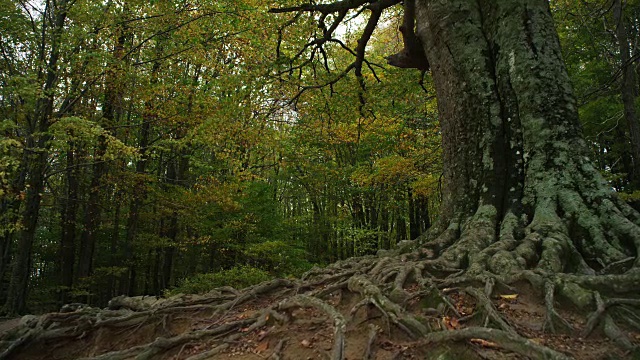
(517, 176)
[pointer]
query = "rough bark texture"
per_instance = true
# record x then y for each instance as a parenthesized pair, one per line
(519, 189)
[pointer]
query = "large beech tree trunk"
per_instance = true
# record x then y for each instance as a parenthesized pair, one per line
(519, 190)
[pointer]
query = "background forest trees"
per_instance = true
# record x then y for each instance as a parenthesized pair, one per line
(144, 143)
(600, 46)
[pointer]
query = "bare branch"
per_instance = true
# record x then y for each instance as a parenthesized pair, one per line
(323, 8)
(317, 44)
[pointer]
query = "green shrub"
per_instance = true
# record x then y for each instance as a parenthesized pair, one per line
(237, 277)
(278, 258)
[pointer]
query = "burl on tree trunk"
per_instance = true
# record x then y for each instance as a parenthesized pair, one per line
(520, 191)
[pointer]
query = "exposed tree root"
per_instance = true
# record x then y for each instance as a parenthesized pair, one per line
(148, 351)
(209, 354)
(339, 322)
(369, 351)
(277, 351)
(489, 311)
(613, 332)
(511, 342)
(372, 295)
(552, 317)
(601, 308)
(418, 292)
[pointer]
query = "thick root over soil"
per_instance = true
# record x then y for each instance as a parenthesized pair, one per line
(415, 306)
(535, 289)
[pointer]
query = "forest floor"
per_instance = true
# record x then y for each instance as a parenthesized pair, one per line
(333, 313)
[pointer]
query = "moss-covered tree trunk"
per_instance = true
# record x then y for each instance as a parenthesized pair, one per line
(520, 191)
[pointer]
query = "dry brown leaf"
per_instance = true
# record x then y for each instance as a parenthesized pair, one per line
(451, 323)
(455, 323)
(263, 346)
(484, 343)
(445, 321)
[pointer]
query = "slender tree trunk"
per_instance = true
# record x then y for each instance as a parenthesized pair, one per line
(176, 169)
(628, 90)
(357, 212)
(419, 220)
(401, 227)
(384, 229)
(17, 294)
(139, 193)
(67, 243)
(92, 214)
(112, 108)
(10, 210)
(319, 227)
(35, 161)
(6, 242)
(169, 251)
(154, 272)
(211, 263)
(423, 210)
(414, 228)
(115, 239)
(134, 215)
